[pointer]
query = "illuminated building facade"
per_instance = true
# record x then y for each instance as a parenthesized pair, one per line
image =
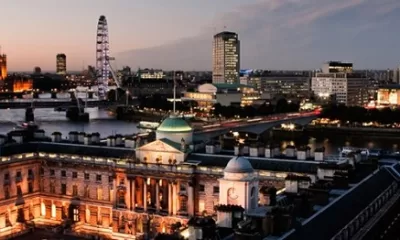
(61, 64)
(21, 85)
(351, 89)
(225, 94)
(151, 73)
(3, 66)
(389, 95)
(337, 67)
(121, 193)
(277, 84)
(134, 189)
(226, 58)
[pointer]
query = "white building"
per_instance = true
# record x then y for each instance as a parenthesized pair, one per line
(225, 94)
(348, 88)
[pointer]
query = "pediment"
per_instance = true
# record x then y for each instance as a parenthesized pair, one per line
(159, 146)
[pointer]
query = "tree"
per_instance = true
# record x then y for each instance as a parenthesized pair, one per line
(247, 111)
(281, 106)
(218, 109)
(265, 109)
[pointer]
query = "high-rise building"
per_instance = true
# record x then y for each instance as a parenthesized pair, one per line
(396, 75)
(226, 58)
(3, 66)
(61, 64)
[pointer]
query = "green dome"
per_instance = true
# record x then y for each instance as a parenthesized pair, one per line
(174, 124)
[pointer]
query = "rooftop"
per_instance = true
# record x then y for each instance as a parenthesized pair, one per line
(174, 124)
(348, 205)
(225, 33)
(239, 165)
(277, 165)
(66, 148)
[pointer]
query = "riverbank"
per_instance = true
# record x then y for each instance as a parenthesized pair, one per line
(367, 132)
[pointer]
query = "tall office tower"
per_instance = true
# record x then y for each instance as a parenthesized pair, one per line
(396, 75)
(226, 58)
(3, 66)
(61, 64)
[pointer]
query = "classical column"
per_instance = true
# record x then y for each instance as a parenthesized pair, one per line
(133, 186)
(98, 216)
(178, 190)
(157, 195)
(87, 214)
(174, 199)
(144, 194)
(190, 202)
(128, 194)
(169, 198)
(110, 220)
(115, 192)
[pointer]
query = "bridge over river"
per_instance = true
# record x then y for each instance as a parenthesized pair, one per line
(256, 126)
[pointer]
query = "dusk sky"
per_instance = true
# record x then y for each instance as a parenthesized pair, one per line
(177, 34)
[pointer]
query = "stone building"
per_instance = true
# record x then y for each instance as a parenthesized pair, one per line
(125, 193)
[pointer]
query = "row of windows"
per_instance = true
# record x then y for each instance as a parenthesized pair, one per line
(75, 175)
(86, 194)
(6, 190)
(202, 188)
(18, 175)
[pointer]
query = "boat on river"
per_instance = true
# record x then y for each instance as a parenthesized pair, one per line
(26, 126)
(344, 151)
(152, 126)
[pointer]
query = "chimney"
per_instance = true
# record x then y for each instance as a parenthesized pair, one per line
(87, 139)
(183, 145)
(238, 150)
(56, 137)
(319, 154)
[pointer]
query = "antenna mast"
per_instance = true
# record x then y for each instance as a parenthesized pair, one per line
(174, 94)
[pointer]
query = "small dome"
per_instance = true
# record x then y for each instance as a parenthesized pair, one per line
(174, 124)
(239, 165)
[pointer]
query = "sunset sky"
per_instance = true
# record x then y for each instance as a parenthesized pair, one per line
(275, 34)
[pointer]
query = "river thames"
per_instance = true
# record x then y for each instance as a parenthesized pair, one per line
(103, 122)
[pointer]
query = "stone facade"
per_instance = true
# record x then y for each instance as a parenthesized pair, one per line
(104, 199)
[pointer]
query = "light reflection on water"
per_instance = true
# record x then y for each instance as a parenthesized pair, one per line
(332, 145)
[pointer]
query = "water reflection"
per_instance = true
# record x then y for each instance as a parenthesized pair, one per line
(100, 121)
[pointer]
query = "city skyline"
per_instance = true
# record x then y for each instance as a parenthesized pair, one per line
(274, 34)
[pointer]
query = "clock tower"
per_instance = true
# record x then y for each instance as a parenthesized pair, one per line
(239, 186)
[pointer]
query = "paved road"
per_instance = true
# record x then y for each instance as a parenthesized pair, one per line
(257, 120)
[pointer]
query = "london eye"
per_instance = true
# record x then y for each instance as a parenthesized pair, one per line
(102, 57)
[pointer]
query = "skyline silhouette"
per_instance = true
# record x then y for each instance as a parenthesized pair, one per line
(274, 34)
